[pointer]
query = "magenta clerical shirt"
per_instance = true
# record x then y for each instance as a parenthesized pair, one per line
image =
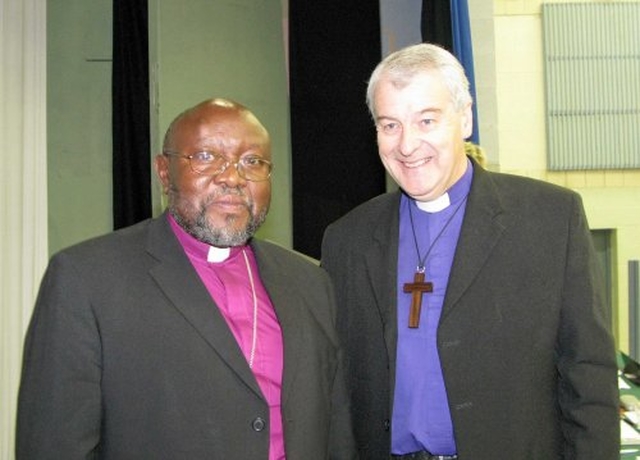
(227, 280)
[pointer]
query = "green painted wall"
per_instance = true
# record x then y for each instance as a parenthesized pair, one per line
(78, 120)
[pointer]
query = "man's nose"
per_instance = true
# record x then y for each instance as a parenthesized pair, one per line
(230, 175)
(410, 140)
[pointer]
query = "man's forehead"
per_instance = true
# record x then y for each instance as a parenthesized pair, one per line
(215, 123)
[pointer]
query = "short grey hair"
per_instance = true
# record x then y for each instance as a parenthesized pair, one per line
(403, 65)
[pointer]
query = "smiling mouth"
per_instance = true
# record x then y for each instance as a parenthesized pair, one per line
(417, 163)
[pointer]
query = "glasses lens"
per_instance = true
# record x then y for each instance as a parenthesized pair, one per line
(254, 169)
(212, 164)
(208, 163)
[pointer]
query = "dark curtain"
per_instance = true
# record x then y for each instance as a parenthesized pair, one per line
(130, 118)
(436, 23)
(334, 46)
(446, 23)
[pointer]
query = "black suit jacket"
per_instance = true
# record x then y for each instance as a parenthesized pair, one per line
(127, 357)
(524, 338)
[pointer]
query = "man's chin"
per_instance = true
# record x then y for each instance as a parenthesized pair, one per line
(228, 221)
(229, 237)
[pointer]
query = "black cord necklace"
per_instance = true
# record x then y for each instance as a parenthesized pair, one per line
(419, 285)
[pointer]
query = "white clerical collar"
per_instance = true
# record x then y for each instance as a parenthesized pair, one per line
(437, 205)
(218, 254)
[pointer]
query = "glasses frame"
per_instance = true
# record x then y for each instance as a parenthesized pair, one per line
(224, 167)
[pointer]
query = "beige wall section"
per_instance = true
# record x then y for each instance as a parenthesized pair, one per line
(78, 120)
(484, 65)
(611, 198)
(205, 48)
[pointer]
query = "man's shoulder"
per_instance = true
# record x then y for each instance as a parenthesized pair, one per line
(515, 187)
(277, 262)
(525, 199)
(281, 254)
(380, 207)
(523, 182)
(120, 241)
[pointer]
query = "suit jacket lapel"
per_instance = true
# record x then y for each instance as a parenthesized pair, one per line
(483, 225)
(284, 301)
(179, 281)
(382, 268)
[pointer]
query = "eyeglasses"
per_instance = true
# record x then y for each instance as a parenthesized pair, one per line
(251, 168)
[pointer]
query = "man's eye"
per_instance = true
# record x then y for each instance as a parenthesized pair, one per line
(389, 127)
(252, 161)
(205, 156)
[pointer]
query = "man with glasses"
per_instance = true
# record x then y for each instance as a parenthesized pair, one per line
(183, 336)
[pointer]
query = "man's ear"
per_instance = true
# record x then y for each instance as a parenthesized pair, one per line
(161, 164)
(467, 122)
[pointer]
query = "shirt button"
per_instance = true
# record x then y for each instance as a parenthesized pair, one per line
(258, 424)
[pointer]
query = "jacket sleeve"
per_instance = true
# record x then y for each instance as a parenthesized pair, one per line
(341, 439)
(588, 392)
(59, 403)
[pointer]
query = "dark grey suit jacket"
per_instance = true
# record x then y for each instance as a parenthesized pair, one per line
(524, 338)
(127, 357)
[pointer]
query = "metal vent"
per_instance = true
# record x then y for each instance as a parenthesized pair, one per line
(592, 77)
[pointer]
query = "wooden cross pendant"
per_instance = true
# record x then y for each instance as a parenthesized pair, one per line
(416, 289)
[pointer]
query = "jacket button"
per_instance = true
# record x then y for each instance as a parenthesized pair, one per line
(387, 425)
(258, 424)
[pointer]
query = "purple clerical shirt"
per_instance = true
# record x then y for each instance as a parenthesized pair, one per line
(421, 418)
(229, 284)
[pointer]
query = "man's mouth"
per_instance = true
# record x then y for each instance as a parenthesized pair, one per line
(231, 202)
(416, 163)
